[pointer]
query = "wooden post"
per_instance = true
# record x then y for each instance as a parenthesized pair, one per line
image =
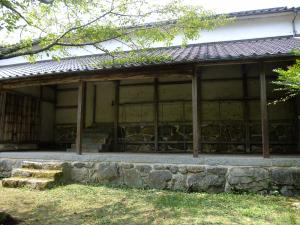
(264, 112)
(116, 114)
(54, 108)
(297, 123)
(156, 114)
(196, 112)
(2, 112)
(80, 116)
(41, 111)
(94, 103)
(246, 109)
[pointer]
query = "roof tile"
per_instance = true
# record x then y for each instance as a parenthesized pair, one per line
(265, 47)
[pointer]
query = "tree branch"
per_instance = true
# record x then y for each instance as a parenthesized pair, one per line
(9, 6)
(46, 1)
(55, 42)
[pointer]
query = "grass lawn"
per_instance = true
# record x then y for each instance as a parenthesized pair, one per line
(82, 204)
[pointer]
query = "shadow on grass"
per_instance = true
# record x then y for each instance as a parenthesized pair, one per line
(6, 219)
(114, 213)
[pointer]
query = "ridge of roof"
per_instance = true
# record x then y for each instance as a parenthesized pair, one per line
(263, 11)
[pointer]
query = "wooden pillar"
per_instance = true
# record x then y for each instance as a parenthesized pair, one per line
(80, 115)
(54, 108)
(2, 112)
(94, 103)
(246, 109)
(196, 92)
(116, 114)
(41, 111)
(156, 114)
(297, 122)
(264, 112)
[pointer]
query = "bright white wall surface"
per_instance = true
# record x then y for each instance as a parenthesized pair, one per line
(242, 28)
(297, 24)
(249, 28)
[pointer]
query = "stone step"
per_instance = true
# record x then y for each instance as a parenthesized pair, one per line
(12, 147)
(37, 173)
(43, 165)
(102, 131)
(89, 146)
(92, 140)
(92, 150)
(34, 183)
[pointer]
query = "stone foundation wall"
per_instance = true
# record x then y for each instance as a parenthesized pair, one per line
(177, 137)
(188, 178)
(197, 178)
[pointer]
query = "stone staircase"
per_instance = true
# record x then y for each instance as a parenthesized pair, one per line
(35, 175)
(93, 140)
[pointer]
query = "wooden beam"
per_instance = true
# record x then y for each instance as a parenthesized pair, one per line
(66, 107)
(156, 114)
(116, 114)
(80, 116)
(246, 110)
(100, 75)
(160, 83)
(202, 100)
(264, 112)
(196, 92)
(228, 62)
(67, 89)
(28, 95)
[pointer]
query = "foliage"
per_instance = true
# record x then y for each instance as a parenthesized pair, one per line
(289, 80)
(142, 56)
(29, 27)
(83, 204)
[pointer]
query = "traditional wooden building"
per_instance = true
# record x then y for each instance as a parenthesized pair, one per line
(210, 97)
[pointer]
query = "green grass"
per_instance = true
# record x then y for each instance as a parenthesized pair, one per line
(83, 204)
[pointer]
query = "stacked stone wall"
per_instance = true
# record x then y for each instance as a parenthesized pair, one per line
(180, 177)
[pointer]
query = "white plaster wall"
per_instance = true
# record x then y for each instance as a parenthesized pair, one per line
(297, 24)
(247, 28)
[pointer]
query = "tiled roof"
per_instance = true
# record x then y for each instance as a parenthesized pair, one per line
(263, 11)
(204, 52)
